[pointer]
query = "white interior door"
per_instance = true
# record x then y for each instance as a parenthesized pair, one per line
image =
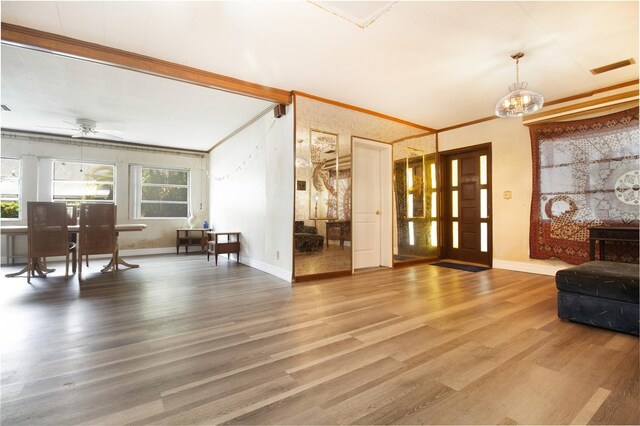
(366, 206)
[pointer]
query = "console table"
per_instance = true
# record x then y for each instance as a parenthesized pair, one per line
(343, 229)
(186, 237)
(215, 246)
(609, 233)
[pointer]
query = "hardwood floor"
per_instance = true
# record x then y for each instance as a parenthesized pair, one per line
(180, 341)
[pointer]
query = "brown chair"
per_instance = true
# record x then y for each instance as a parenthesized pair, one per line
(72, 219)
(47, 235)
(72, 215)
(97, 232)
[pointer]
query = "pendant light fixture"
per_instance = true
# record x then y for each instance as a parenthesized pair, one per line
(519, 101)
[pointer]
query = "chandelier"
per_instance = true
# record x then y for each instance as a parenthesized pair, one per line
(519, 101)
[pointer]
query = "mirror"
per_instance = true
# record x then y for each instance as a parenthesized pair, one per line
(322, 220)
(322, 228)
(415, 199)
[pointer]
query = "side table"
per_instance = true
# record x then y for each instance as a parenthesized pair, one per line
(186, 237)
(610, 233)
(215, 246)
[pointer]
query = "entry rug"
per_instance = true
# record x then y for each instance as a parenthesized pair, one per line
(462, 267)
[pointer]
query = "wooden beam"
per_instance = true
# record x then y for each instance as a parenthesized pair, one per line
(582, 107)
(609, 109)
(550, 103)
(468, 123)
(419, 135)
(364, 110)
(66, 46)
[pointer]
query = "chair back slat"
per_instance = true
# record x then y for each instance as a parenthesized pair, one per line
(72, 215)
(97, 228)
(47, 229)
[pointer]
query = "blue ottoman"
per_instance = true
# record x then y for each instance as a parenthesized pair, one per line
(604, 294)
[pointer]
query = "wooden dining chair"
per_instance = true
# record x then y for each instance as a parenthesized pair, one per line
(47, 235)
(72, 220)
(97, 232)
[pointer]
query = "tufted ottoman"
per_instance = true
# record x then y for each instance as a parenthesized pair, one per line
(604, 294)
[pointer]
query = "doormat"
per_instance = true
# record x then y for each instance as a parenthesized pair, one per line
(462, 267)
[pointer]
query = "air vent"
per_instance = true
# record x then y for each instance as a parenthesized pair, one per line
(6, 108)
(613, 66)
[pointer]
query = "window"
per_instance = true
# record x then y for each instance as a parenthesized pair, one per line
(10, 188)
(160, 193)
(75, 182)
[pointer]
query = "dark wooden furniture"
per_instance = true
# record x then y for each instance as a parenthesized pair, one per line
(338, 230)
(184, 239)
(97, 233)
(11, 232)
(47, 236)
(215, 246)
(609, 233)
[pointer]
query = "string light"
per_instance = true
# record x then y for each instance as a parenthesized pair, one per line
(246, 161)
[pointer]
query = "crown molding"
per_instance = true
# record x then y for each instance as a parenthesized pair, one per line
(550, 103)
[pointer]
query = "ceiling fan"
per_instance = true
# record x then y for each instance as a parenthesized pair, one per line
(87, 128)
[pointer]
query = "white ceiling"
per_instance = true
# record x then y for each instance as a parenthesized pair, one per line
(433, 63)
(44, 91)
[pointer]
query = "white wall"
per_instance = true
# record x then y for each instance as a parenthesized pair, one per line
(159, 237)
(252, 189)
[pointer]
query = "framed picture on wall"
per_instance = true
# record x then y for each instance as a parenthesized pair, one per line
(323, 147)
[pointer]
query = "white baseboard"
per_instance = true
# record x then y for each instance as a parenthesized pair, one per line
(257, 264)
(265, 267)
(147, 251)
(533, 268)
(19, 259)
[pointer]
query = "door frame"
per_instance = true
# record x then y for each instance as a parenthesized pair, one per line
(440, 161)
(386, 198)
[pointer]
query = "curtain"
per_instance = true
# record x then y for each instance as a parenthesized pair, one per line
(585, 173)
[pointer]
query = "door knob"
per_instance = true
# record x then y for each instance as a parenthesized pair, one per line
(378, 212)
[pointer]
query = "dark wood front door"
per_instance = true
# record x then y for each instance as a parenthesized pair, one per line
(466, 178)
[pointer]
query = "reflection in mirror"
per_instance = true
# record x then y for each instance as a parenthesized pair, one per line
(322, 228)
(415, 206)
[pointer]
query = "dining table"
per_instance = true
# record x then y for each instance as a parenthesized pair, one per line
(40, 267)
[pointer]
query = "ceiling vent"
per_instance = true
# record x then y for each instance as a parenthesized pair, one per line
(6, 108)
(613, 66)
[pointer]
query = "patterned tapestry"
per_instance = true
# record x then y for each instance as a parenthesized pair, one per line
(585, 173)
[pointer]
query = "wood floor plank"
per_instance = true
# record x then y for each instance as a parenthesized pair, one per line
(182, 341)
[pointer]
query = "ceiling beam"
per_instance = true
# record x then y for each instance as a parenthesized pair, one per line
(66, 46)
(582, 107)
(550, 103)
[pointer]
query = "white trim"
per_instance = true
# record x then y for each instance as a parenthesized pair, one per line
(147, 251)
(22, 259)
(256, 264)
(532, 268)
(265, 267)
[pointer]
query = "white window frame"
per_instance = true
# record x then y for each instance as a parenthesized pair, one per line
(19, 200)
(135, 179)
(90, 163)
